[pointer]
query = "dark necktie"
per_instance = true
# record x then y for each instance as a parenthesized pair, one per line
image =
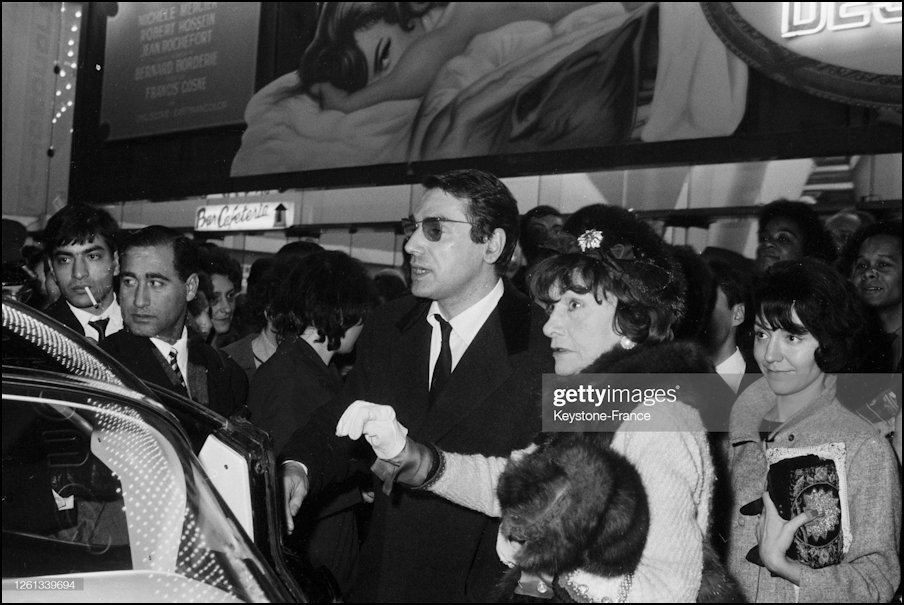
(174, 363)
(100, 326)
(443, 367)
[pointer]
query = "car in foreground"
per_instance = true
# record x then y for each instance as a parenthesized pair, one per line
(114, 491)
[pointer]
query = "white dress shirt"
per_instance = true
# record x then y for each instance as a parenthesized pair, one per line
(113, 313)
(732, 369)
(181, 347)
(465, 327)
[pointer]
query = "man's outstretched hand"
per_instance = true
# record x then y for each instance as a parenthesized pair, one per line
(295, 488)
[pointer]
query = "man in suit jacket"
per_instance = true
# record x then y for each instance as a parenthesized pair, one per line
(421, 548)
(159, 276)
(80, 244)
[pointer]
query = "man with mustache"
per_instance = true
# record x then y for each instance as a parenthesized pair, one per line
(159, 277)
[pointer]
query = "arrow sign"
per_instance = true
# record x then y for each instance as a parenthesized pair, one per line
(245, 216)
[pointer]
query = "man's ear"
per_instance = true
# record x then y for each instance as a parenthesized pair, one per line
(495, 246)
(191, 287)
(115, 263)
(738, 314)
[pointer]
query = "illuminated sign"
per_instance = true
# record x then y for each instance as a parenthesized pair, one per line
(806, 18)
(844, 51)
(245, 216)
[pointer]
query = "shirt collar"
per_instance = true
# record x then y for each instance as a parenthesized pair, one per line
(181, 347)
(467, 324)
(112, 312)
(732, 369)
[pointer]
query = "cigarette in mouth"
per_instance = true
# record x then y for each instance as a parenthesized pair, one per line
(91, 296)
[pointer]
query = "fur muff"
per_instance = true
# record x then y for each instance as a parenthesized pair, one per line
(574, 503)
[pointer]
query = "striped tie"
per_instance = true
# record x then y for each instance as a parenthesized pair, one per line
(174, 363)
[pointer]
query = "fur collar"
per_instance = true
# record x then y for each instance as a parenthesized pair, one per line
(710, 395)
(678, 357)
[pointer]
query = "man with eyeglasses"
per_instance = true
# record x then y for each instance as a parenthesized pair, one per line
(461, 362)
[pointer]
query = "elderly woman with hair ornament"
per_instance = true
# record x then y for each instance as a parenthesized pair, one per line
(619, 516)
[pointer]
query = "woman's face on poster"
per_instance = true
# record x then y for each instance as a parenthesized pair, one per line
(383, 45)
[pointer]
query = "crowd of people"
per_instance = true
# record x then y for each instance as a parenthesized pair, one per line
(777, 482)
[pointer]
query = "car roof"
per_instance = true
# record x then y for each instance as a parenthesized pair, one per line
(33, 341)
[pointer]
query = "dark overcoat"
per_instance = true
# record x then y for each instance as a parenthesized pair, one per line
(422, 548)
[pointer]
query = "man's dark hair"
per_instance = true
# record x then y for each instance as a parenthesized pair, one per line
(529, 243)
(701, 294)
(737, 286)
(390, 285)
(490, 206)
(330, 291)
(79, 224)
(258, 269)
(540, 212)
(301, 248)
(185, 250)
(263, 290)
(817, 241)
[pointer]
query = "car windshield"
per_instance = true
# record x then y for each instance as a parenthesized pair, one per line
(101, 490)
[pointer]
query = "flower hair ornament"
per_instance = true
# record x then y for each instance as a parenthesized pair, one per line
(652, 274)
(591, 239)
(620, 257)
(591, 242)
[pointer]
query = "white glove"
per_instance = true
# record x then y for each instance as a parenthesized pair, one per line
(377, 423)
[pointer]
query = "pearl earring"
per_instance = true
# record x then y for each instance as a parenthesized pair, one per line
(626, 343)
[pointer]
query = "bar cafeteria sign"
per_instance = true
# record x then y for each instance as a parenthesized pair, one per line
(844, 51)
(245, 216)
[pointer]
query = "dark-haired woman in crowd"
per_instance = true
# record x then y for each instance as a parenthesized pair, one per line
(226, 277)
(318, 311)
(829, 522)
(790, 230)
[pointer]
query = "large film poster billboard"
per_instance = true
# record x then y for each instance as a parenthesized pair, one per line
(455, 80)
(255, 96)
